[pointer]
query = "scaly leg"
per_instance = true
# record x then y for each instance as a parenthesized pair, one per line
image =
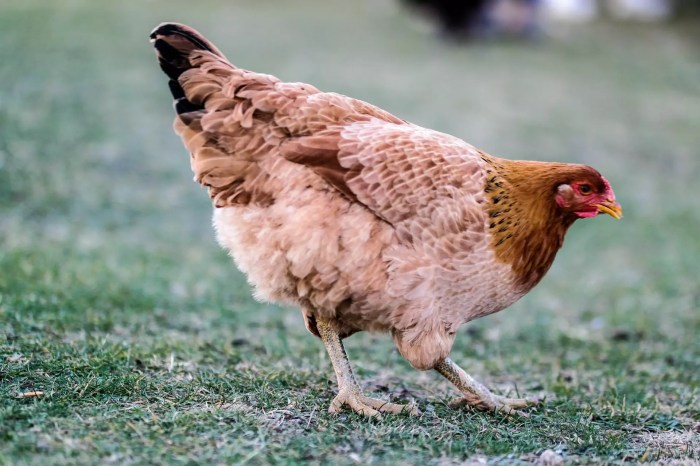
(349, 391)
(478, 396)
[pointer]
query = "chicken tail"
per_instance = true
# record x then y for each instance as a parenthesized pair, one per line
(174, 44)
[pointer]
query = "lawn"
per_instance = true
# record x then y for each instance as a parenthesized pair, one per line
(117, 304)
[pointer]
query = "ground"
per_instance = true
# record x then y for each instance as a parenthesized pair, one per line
(117, 305)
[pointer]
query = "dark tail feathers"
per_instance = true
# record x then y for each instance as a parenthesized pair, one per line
(174, 43)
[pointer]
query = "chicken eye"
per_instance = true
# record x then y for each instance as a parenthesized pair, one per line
(585, 189)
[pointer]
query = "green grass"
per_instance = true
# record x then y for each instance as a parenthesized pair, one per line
(116, 302)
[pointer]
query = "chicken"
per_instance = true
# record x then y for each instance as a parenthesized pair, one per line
(365, 221)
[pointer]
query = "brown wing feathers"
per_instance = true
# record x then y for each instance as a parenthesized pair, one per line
(232, 119)
(320, 153)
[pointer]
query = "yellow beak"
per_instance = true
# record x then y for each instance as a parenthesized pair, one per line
(610, 207)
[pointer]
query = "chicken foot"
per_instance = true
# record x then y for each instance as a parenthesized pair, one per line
(476, 395)
(349, 391)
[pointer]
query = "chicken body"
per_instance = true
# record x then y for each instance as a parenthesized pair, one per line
(365, 221)
(420, 277)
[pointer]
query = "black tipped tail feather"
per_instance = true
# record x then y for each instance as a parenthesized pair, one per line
(174, 43)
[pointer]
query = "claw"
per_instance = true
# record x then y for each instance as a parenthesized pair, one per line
(354, 403)
(394, 408)
(501, 404)
(520, 402)
(370, 407)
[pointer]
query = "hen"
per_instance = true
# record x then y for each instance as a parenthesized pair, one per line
(363, 220)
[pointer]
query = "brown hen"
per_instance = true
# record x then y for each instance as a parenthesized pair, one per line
(363, 220)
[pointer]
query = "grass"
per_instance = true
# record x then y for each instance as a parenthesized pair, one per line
(116, 303)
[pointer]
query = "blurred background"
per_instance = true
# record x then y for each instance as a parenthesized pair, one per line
(462, 20)
(103, 232)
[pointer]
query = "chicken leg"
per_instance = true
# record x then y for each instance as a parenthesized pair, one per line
(478, 396)
(349, 391)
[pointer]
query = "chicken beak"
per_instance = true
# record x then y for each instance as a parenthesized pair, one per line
(610, 207)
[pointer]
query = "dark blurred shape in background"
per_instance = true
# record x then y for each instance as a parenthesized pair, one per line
(461, 20)
(456, 19)
(464, 20)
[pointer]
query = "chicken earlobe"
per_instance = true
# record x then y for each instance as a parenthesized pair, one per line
(349, 391)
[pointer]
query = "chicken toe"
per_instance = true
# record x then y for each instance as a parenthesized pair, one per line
(509, 406)
(476, 396)
(367, 406)
(393, 408)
